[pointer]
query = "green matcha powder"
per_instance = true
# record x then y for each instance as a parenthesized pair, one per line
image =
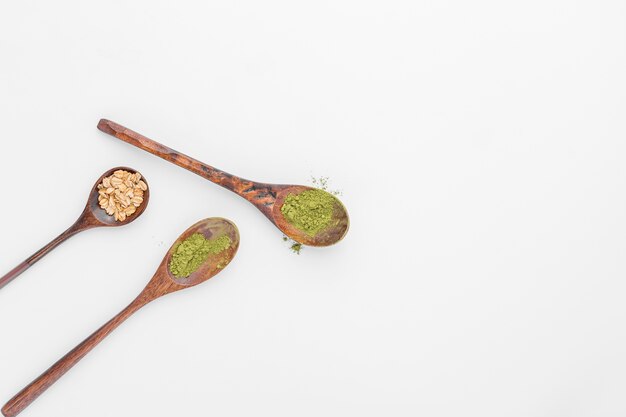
(192, 252)
(310, 211)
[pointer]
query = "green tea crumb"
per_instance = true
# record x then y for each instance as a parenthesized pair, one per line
(190, 254)
(296, 248)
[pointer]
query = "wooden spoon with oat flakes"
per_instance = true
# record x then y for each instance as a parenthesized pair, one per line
(124, 207)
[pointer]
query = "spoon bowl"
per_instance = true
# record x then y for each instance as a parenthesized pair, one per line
(330, 235)
(211, 228)
(99, 217)
(162, 283)
(91, 217)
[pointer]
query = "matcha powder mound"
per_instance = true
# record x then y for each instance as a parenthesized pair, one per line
(191, 253)
(310, 211)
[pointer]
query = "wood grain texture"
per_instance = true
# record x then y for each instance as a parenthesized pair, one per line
(162, 283)
(12, 274)
(91, 217)
(268, 198)
(259, 194)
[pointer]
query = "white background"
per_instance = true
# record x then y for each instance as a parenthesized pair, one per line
(480, 147)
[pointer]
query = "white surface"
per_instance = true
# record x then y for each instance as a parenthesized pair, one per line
(480, 147)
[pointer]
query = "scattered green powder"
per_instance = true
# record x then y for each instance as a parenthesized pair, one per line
(191, 253)
(296, 248)
(322, 183)
(310, 211)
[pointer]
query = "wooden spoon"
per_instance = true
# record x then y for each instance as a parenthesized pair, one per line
(92, 216)
(162, 283)
(268, 198)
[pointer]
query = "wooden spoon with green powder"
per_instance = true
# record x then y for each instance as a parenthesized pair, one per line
(201, 252)
(307, 215)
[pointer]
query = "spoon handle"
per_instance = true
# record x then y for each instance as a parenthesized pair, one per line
(215, 175)
(30, 393)
(261, 195)
(12, 274)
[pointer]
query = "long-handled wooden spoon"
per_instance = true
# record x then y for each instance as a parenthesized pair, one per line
(92, 216)
(268, 198)
(162, 283)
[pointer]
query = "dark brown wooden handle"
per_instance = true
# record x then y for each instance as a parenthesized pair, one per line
(206, 171)
(12, 274)
(261, 195)
(15, 272)
(30, 393)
